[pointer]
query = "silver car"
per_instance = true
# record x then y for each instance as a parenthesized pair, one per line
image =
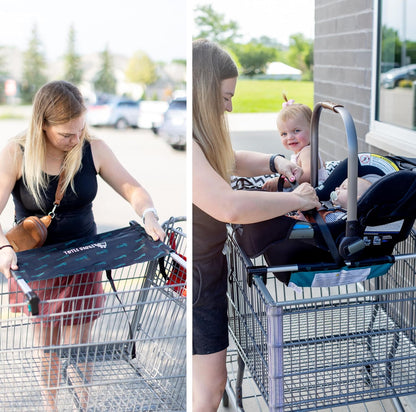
(114, 112)
(173, 128)
(391, 79)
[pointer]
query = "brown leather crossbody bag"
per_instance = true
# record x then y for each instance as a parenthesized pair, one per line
(32, 231)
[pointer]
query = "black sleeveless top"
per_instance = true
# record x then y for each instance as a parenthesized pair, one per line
(209, 262)
(74, 217)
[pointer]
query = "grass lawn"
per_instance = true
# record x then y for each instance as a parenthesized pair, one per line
(262, 96)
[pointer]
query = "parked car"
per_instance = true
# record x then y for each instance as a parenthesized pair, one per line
(391, 79)
(173, 128)
(150, 114)
(114, 111)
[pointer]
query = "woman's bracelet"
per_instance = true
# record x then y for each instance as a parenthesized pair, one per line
(271, 162)
(2, 247)
(149, 209)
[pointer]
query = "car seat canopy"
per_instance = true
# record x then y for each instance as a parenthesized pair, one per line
(390, 199)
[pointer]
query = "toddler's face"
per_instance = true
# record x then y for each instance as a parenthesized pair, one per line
(295, 133)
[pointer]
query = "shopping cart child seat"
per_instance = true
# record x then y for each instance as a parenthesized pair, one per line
(365, 239)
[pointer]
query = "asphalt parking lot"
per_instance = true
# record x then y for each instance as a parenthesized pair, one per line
(159, 168)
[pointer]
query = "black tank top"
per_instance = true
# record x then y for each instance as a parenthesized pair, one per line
(74, 217)
(209, 262)
(208, 235)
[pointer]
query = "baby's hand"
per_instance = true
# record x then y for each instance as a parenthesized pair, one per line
(271, 184)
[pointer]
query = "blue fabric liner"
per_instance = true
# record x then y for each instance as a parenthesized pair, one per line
(105, 251)
(343, 276)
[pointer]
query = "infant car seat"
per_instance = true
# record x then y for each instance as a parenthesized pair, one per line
(383, 216)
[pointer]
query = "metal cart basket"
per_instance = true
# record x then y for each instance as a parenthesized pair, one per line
(324, 347)
(135, 359)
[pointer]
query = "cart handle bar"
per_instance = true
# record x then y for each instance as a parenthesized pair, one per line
(261, 270)
(31, 297)
(178, 259)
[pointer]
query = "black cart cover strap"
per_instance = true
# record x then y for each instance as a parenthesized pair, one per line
(105, 251)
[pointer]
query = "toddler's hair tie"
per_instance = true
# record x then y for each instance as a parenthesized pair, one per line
(287, 102)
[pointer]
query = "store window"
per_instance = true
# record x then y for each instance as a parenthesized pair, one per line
(395, 94)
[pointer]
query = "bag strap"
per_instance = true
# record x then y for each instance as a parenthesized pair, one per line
(131, 335)
(172, 243)
(59, 194)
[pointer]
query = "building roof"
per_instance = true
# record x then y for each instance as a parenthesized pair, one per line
(279, 68)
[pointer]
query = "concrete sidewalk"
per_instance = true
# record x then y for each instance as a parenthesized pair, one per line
(246, 122)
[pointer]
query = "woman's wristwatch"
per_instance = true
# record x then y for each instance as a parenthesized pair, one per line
(148, 210)
(271, 162)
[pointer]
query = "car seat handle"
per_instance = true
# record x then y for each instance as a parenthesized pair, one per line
(352, 152)
(331, 106)
(282, 180)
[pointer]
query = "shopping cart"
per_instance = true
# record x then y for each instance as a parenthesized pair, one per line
(135, 359)
(325, 347)
(345, 342)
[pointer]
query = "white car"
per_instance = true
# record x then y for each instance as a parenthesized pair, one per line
(150, 115)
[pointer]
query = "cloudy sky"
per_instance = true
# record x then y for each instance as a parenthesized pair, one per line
(157, 27)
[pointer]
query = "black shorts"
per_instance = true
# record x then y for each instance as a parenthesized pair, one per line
(209, 313)
(210, 330)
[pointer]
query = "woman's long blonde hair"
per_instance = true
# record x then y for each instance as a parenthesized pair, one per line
(210, 66)
(55, 103)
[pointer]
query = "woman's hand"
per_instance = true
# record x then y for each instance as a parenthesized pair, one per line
(308, 197)
(8, 261)
(153, 228)
(291, 170)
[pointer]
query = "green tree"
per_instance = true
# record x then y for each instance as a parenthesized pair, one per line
(141, 69)
(214, 27)
(179, 61)
(105, 80)
(391, 47)
(34, 64)
(73, 69)
(253, 57)
(300, 54)
(268, 42)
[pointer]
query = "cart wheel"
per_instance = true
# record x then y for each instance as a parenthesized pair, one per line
(225, 400)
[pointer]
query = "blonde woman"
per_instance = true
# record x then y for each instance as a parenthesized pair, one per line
(214, 204)
(57, 142)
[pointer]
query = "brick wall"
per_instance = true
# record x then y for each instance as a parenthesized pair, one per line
(342, 70)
